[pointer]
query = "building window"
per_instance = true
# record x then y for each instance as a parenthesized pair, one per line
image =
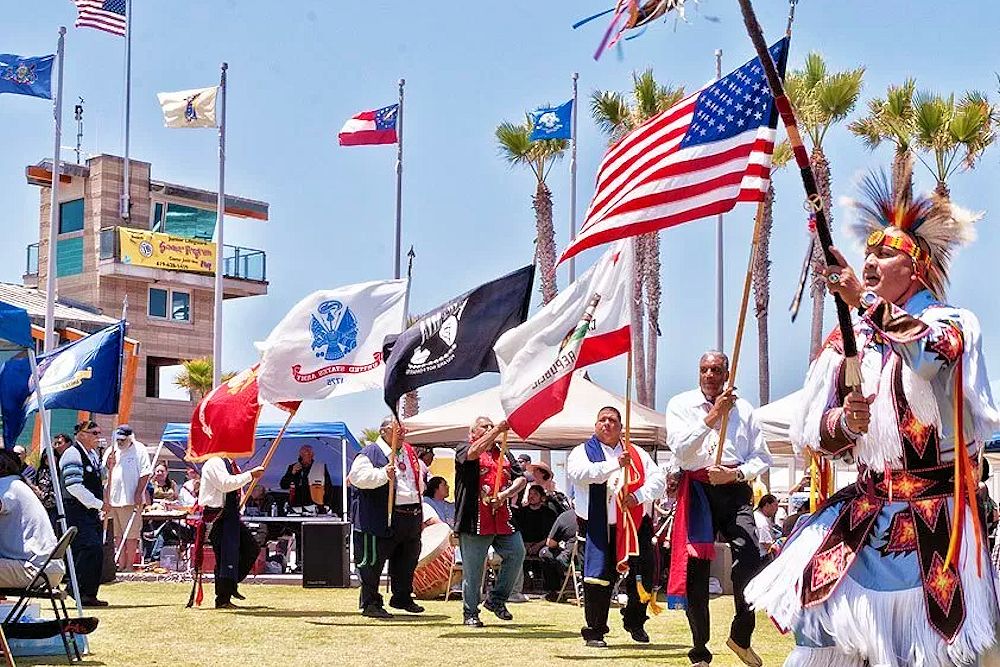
(180, 306)
(168, 304)
(69, 257)
(71, 216)
(161, 377)
(181, 220)
(158, 302)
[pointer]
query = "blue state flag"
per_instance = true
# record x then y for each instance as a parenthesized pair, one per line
(26, 76)
(552, 122)
(83, 375)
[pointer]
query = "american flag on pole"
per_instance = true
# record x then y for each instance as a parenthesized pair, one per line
(694, 160)
(106, 15)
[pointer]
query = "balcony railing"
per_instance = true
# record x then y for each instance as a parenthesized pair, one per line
(237, 262)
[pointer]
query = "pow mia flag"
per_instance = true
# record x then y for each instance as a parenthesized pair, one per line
(455, 341)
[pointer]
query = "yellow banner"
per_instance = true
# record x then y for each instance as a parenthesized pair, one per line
(164, 251)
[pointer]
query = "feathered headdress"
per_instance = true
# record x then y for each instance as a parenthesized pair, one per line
(929, 230)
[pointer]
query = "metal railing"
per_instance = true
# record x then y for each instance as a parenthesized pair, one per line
(237, 262)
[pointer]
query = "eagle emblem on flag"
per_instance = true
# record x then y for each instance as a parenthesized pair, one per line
(336, 329)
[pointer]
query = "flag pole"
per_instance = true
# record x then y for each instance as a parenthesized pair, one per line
(392, 466)
(399, 183)
(572, 181)
(740, 325)
(50, 451)
(267, 457)
(498, 477)
(220, 216)
(125, 208)
(50, 271)
(719, 249)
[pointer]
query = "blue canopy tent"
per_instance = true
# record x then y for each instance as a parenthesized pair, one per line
(332, 442)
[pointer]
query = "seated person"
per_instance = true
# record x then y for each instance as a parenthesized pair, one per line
(164, 488)
(798, 507)
(308, 483)
(436, 508)
(188, 494)
(26, 535)
(554, 498)
(259, 502)
(534, 519)
(557, 551)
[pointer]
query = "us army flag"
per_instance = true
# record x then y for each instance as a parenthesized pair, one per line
(189, 108)
(330, 343)
(588, 322)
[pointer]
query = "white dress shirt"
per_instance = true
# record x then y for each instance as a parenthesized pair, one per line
(364, 475)
(582, 472)
(131, 464)
(216, 482)
(694, 443)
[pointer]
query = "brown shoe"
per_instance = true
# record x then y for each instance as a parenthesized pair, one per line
(747, 655)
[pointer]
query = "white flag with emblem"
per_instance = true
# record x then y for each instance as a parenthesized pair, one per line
(189, 108)
(330, 343)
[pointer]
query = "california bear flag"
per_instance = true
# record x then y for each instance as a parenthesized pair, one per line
(588, 322)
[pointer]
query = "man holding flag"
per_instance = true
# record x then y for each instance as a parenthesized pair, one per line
(615, 485)
(714, 496)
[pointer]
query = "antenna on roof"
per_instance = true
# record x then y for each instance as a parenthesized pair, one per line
(78, 115)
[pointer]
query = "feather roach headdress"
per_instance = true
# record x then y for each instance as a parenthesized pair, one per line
(928, 229)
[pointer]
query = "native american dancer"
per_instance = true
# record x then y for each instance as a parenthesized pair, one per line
(893, 570)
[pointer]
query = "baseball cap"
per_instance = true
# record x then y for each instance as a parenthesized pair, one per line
(123, 432)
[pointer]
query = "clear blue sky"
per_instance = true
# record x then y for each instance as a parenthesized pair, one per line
(299, 69)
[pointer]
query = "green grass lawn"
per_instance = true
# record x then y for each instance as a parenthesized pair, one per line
(147, 624)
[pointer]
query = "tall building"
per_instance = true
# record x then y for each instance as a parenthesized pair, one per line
(161, 260)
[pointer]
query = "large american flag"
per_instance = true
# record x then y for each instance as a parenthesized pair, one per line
(106, 15)
(696, 159)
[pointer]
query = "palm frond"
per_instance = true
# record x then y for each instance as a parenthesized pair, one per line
(782, 155)
(513, 143)
(814, 70)
(610, 111)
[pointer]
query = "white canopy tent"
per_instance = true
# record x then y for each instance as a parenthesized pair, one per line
(774, 420)
(449, 423)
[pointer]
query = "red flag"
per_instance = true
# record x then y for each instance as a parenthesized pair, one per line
(224, 422)
(627, 536)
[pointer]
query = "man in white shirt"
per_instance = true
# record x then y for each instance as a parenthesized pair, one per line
(598, 470)
(693, 421)
(129, 469)
(763, 518)
(379, 536)
(234, 545)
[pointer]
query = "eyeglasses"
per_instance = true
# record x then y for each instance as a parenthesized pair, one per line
(93, 431)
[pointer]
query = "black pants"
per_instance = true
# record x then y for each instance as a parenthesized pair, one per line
(401, 549)
(732, 515)
(597, 598)
(87, 546)
(555, 563)
(236, 551)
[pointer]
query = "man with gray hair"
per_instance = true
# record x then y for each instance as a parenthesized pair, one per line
(714, 498)
(485, 483)
(378, 535)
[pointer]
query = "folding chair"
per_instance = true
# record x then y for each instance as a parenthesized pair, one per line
(8, 659)
(572, 574)
(40, 588)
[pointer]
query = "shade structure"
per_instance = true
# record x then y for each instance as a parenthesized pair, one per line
(332, 442)
(449, 423)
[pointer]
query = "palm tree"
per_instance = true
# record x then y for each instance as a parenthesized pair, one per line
(369, 435)
(762, 274)
(539, 156)
(951, 135)
(196, 377)
(617, 114)
(892, 119)
(821, 100)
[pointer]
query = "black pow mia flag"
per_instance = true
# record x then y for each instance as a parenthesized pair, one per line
(455, 341)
